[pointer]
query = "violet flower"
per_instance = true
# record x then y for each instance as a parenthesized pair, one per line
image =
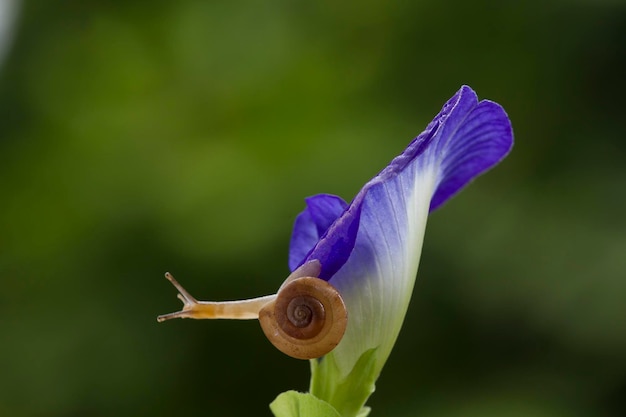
(369, 250)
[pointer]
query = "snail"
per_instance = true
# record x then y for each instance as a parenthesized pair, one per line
(305, 319)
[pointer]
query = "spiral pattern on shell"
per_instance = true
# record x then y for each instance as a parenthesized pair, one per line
(307, 319)
(302, 310)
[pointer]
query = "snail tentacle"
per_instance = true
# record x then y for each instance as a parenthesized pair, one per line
(194, 309)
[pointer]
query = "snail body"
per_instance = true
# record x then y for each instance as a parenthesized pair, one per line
(306, 319)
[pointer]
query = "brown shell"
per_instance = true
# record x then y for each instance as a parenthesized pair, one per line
(307, 319)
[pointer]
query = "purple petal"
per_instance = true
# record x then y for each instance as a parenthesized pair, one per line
(371, 252)
(320, 213)
(480, 140)
(465, 139)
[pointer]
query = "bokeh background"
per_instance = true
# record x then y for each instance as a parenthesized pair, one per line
(143, 137)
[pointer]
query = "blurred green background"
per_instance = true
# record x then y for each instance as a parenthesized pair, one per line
(145, 137)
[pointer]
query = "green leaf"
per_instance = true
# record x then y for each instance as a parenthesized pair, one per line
(297, 404)
(346, 394)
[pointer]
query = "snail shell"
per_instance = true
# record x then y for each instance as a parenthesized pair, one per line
(306, 320)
